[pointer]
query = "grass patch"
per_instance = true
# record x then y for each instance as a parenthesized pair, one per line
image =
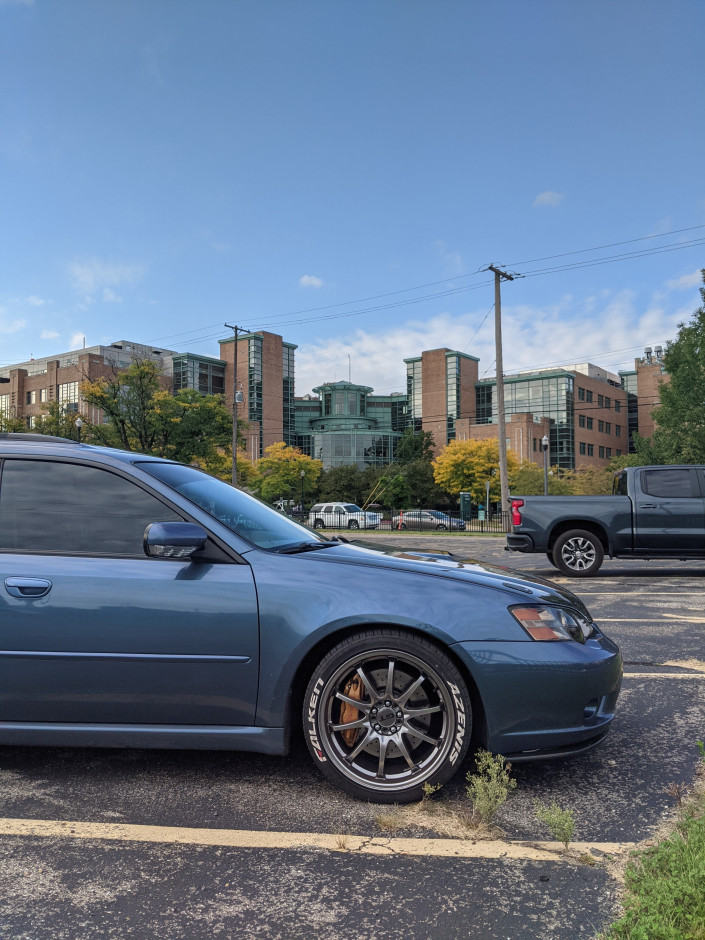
(665, 885)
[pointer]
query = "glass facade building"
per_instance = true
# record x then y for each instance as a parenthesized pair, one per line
(201, 373)
(346, 425)
(544, 394)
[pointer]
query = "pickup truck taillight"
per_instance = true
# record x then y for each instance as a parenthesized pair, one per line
(516, 511)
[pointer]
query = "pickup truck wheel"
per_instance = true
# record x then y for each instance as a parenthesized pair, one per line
(578, 553)
(550, 558)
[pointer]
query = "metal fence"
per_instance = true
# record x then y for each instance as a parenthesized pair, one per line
(495, 522)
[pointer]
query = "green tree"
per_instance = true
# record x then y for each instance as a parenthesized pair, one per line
(12, 425)
(341, 484)
(423, 489)
(279, 473)
(142, 415)
(680, 417)
(60, 423)
(413, 446)
(466, 466)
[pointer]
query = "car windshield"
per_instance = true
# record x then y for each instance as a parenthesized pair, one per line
(243, 514)
(351, 507)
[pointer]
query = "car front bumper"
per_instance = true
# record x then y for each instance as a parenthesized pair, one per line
(545, 699)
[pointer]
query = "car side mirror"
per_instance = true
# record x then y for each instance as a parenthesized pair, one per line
(173, 539)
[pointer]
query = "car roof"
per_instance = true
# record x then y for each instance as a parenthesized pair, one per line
(46, 444)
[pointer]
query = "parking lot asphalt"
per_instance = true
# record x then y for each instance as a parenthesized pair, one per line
(135, 844)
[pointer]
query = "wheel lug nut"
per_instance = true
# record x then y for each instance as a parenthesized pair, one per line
(387, 703)
(378, 727)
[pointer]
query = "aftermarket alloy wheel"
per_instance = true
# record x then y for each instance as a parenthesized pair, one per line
(386, 712)
(578, 553)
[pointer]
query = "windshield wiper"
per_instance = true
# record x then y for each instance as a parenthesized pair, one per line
(304, 547)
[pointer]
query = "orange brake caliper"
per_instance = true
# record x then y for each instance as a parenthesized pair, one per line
(348, 712)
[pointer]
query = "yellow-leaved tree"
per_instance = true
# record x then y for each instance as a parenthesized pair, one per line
(466, 466)
(279, 473)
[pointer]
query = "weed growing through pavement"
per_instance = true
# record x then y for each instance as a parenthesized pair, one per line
(490, 787)
(701, 750)
(559, 822)
(677, 791)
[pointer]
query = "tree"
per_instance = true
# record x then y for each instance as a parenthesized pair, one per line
(61, 423)
(413, 446)
(279, 473)
(142, 415)
(341, 484)
(466, 466)
(680, 417)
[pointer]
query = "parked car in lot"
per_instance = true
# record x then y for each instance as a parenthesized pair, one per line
(426, 519)
(342, 516)
(144, 603)
(653, 512)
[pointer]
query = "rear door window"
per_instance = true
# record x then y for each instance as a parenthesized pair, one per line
(670, 483)
(68, 508)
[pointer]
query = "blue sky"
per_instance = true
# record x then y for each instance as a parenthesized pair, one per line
(339, 171)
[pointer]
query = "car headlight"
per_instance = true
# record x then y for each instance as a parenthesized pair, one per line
(553, 623)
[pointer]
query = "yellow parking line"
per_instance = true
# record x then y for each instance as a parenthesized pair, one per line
(249, 839)
(664, 675)
(661, 619)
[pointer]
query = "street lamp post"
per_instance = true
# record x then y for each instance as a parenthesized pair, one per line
(303, 476)
(79, 425)
(544, 445)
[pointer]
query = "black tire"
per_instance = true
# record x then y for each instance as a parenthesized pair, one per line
(578, 553)
(380, 752)
(402, 525)
(353, 524)
(318, 524)
(550, 558)
(442, 525)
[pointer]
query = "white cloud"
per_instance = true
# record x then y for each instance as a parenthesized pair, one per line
(110, 297)
(94, 275)
(607, 329)
(77, 340)
(10, 326)
(687, 281)
(310, 280)
(549, 198)
(49, 334)
(35, 301)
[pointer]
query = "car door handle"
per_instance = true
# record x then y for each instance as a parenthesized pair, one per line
(648, 506)
(27, 587)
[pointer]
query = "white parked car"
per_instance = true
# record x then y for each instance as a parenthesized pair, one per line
(342, 516)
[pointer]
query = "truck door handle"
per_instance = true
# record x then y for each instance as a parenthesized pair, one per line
(27, 587)
(648, 506)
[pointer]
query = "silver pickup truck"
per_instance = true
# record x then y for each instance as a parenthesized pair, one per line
(653, 512)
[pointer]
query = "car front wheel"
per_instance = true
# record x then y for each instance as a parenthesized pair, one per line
(318, 524)
(578, 553)
(386, 712)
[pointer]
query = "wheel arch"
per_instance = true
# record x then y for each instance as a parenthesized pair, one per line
(313, 656)
(589, 525)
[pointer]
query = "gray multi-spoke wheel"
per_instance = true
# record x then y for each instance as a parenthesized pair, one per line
(578, 553)
(353, 524)
(386, 712)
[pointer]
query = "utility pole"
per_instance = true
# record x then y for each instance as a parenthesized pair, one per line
(237, 395)
(499, 276)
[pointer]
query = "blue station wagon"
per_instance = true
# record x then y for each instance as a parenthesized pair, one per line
(144, 603)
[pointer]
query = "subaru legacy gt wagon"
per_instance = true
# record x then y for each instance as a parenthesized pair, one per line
(144, 603)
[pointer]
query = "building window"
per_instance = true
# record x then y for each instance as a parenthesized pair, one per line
(608, 402)
(588, 395)
(31, 398)
(608, 427)
(589, 424)
(5, 406)
(602, 452)
(68, 396)
(581, 421)
(535, 442)
(618, 430)
(601, 427)
(617, 405)
(609, 452)
(43, 394)
(591, 450)
(600, 401)
(581, 394)
(582, 448)
(619, 453)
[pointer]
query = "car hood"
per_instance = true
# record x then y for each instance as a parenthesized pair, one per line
(454, 567)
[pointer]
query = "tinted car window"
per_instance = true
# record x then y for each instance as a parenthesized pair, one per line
(49, 506)
(672, 483)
